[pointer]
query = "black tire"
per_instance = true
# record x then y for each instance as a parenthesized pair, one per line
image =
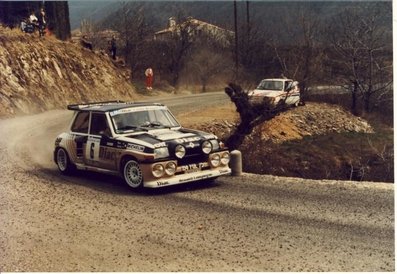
(132, 174)
(63, 162)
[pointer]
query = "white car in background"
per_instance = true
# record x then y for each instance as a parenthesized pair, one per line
(276, 89)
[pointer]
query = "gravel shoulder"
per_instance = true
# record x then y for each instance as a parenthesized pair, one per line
(93, 222)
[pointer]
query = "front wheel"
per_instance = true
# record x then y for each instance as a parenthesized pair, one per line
(63, 162)
(132, 174)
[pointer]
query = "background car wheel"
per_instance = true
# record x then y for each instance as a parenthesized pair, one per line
(63, 162)
(132, 174)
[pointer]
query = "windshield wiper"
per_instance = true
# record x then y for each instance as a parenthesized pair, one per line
(152, 124)
(128, 128)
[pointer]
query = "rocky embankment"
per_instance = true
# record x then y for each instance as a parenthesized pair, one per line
(309, 120)
(41, 74)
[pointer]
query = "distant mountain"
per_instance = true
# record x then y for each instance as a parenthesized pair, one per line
(90, 10)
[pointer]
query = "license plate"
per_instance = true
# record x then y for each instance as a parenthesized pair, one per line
(193, 167)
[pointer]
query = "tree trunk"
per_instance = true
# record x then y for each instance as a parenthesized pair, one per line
(251, 115)
(367, 100)
(353, 107)
(204, 88)
(175, 77)
(58, 18)
(237, 138)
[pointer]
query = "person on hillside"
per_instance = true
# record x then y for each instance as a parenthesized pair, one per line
(149, 78)
(85, 42)
(113, 47)
(42, 22)
(33, 20)
(23, 25)
(26, 25)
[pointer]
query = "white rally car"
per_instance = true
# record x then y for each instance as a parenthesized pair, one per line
(275, 90)
(141, 142)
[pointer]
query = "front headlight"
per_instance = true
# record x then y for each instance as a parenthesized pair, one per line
(158, 170)
(215, 160)
(225, 158)
(161, 152)
(180, 151)
(206, 147)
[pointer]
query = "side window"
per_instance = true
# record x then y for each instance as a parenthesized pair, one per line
(80, 124)
(99, 124)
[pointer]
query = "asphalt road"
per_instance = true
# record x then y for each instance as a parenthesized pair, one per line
(92, 222)
(178, 104)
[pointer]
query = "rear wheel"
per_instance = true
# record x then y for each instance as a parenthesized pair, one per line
(132, 174)
(63, 162)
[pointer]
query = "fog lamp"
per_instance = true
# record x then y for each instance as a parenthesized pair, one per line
(158, 170)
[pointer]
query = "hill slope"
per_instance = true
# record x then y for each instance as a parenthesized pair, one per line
(316, 141)
(40, 74)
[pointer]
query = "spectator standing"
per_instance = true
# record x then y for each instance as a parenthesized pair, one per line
(149, 78)
(33, 19)
(42, 20)
(113, 47)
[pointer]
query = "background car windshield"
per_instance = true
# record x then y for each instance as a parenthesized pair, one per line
(270, 85)
(156, 118)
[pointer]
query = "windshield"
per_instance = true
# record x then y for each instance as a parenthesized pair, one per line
(270, 85)
(142, 119)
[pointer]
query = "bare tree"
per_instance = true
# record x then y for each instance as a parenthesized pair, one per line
(251, 114)
(179, 47)
(296, 45)
(362, 47)
(133, 32)
(205, 65)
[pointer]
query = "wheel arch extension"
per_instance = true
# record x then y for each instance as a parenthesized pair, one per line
(56, 151)
(124, 159)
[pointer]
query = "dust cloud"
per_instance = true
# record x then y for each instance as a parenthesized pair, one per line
(29, 139)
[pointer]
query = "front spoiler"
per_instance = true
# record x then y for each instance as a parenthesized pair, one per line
(188, 177)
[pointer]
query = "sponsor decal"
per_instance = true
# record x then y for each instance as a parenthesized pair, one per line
(162, 144)
(109, 144)
(191, 145)
(198, 177)
(208, 137)
(162, 183)
(108, 154)
(135, 147)
(187, 140)
(135, 109)
(121, 145)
